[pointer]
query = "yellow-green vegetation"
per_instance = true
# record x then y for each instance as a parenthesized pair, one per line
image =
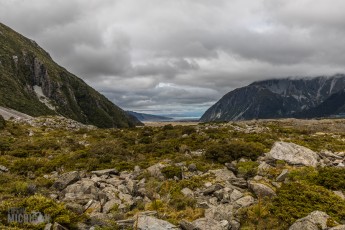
(248, 168)
(30, 158)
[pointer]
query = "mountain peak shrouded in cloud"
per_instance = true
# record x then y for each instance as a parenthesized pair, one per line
(182, 56)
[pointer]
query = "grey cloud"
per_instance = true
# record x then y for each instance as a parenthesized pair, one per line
(181, 56)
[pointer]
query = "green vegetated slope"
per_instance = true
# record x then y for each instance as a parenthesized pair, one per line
(23, 65)
(201, 148)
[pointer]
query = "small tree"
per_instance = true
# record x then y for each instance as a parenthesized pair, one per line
(2, 122)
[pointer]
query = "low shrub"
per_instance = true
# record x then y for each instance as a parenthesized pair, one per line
(298, 199)
(223, 153)
(247, 169)
(171, 171)
(2, 122)
(332, 178)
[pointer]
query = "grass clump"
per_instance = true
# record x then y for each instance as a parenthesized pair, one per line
(247, 168)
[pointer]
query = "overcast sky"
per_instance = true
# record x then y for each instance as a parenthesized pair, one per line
(181, 56)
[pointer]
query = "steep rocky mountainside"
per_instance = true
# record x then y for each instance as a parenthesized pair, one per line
(32, 83)
(277, 98)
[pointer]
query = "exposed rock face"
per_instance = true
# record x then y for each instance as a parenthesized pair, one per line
(314, 221)
(279, 98)
(32, 83)
(293, 154)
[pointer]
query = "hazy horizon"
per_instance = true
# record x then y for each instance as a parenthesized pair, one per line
(180, 57)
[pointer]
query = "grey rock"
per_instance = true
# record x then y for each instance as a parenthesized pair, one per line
(329, 154)
(245, 201)
(84, 186)
(234, 225)
(185, 225)
(151, 223)
(155, 170)
(235, 195)
(210, 190)
(66, 179)
(264, 168)
(74, 207)
(261, 190)
(283, 175)
(57, 226)
(187, 192)
(314, 221)
(126, 198)
(239, 182)
(3, 168)
(208, 224)
(293, 154)
(99, 219)
(339, 194)
(125, 224)
(192, 168)
(48, 226)
(223, 174)
(220, 212)
(110, 204)
(339, 227)
(232, 167)
(105, 172)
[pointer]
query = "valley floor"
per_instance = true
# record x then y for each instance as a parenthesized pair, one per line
(260, 174)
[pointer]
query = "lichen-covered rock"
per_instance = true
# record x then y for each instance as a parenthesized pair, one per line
(152, 223)
(314, 221)
(261, 190)
(293, 154)
(209, 224)
(66, 179)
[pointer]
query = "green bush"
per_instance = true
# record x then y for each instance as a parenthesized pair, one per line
(296, 200)
(171, 171)
(247, 169)
(332, 178)
(223, 153)
(57, 211)
(2, 122)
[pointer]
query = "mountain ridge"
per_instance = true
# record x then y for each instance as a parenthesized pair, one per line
(275, 98)
(26, 69)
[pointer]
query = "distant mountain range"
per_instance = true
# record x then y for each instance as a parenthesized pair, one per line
(281, 98)
(32, 83)
(148, 117)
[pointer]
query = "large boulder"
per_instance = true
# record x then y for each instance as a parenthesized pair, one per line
(293, 154)
(261, 190)
(66, 179)
(316, 220)
(152, 223)
(220, 212)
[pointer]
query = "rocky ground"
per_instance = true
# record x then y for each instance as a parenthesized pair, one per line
(222, 197)
(196, 186)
